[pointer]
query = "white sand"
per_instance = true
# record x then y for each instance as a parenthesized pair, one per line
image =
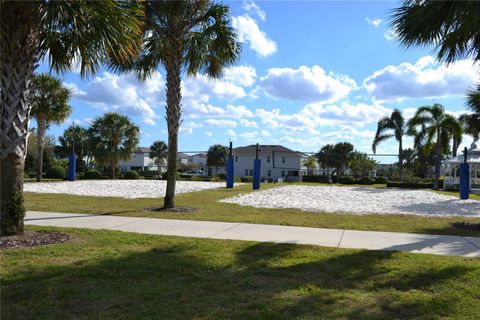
(357, 200)
(119, 188)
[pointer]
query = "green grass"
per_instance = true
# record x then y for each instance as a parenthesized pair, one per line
(209, 209)
(116, 275)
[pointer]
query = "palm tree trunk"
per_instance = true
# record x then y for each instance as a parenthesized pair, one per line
(400, 159)
(18, 47)
(174, 97)
(112, 165)
(438, 155)
(40, 144)
(454, 147)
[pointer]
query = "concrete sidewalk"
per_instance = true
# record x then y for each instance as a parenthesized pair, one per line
(372, 240)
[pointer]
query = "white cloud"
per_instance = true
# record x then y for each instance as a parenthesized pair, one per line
(238, 112)
(248, 31)
(231, 134)
(246, 123)
(220, 123)
(251, 6)
(390, 35)
(75, 91)
(249, 135)
(374, 21)
(265, 133)
(424, 79)
(307, 84)
(240, 75)
(208, 133)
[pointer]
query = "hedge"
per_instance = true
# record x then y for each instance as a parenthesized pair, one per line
(92, 174)
(315, 178)
(131, 175)
(56, 172)
(366, 180)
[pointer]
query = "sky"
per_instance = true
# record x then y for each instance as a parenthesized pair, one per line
(310, 73)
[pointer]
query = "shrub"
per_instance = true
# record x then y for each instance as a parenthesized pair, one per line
(164, 176)
(222, 176)
(381, 180)
(366, 180)
(396, 184)
(216, 179)
(346, 180)
(237, 179)
(131, 175)
(246, 179)
(315, 178)
(56, 172)
(92, 174)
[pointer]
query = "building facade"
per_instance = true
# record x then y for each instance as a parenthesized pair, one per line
(276, 162)
(140, 161)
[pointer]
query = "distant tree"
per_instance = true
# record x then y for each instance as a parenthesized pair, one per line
(31, 160)
(113, 137)
(471, 121)
(50, 104)
(310, 163)
(392, 127)
(326, 158)
(410, 157)
(159, 151)
(342, 152)
(438, 128)
(216, 156)
(75, 139)
(451, 26)
(360, 164)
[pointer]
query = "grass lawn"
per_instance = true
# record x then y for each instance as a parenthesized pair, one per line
(209, 209)
(116, 275)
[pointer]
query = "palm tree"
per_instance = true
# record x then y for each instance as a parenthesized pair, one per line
(451, 26)
(90, 32)
(438, 128)
(326, 158)
(391, 127)
(114, 137)
(73, 140)
(471, 121)
(49, 105)
(216, 156)
(159, 150)
(184, 36)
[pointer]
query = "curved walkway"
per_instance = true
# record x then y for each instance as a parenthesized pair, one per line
(371, 240)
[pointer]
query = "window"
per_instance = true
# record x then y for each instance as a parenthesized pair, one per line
(236, 158)
(283, 173)
(293, 173)
(283, 159)
(246, 172)
(268, 159)
(269, 173)
(251, 172)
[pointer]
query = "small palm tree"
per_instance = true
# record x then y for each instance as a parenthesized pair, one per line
(184, 36)
(114, 137)
(471, 122)
(438, 127)
(451, 26)
(391, 127)
(49, 105)
(158, 150)
(91, 32)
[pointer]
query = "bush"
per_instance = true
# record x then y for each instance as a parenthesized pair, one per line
(381, 180)
(346, 180)
(92, 174)
(131, 175)
(397, 184)
(246, 179)
(237, 179)
(164, 176)
(216, 179)
(315, 178)
(222, 176)
(56, 172)
(366, 180)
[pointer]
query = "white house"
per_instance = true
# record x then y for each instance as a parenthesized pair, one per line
(452, 169)
(139, 161)
(276, 162)
(199, 159)
(182, 158)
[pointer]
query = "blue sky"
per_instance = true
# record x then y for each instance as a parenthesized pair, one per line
(310, 73)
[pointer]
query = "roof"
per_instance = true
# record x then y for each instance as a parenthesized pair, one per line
(182, 155)
(473, 156)
(264, 149)
(202, 155)
(141, 150)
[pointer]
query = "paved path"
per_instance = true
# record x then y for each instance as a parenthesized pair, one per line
(372, 240)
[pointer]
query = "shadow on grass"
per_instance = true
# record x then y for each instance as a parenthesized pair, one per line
(261, 281)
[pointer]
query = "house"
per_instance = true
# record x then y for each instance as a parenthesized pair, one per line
(199, 159)
(276, 162)
(140, 161)
(182, 158)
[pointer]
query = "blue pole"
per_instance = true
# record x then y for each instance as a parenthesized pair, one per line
(464, 181)
(256, 173)
(71, 167)
(230, 173)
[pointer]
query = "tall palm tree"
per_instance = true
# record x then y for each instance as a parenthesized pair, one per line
(158, 150)
(114, 137)
(74, 140)
(392, 127)
(49, 105)
(471, 121)
(90, 32)
(438, 127)
(184, 36)
(451, 26)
